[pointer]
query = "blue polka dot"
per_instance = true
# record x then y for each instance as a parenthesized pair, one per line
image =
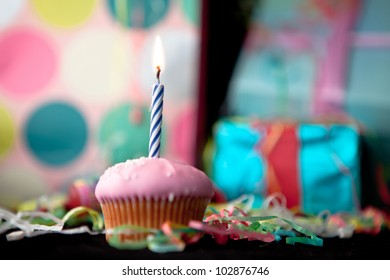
(138, 13)
(56, 133)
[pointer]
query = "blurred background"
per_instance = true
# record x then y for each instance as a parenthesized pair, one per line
(76, 83)
(76, 80)
(301, 105)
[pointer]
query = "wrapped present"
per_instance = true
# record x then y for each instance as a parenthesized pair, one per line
(307, 58)
(315, 165)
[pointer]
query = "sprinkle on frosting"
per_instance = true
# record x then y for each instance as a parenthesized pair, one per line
(171, 196)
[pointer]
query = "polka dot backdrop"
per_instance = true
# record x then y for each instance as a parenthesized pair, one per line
(75, 88)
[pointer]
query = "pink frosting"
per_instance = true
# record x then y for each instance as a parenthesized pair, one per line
(153, 178)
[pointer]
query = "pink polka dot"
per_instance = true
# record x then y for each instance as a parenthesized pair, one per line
(183, 136)
(27, 62)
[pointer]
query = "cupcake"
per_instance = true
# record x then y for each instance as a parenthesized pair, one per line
(147, 192)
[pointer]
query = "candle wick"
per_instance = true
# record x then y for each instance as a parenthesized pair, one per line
(158, 73)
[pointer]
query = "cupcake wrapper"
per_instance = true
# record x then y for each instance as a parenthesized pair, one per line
(150, 213)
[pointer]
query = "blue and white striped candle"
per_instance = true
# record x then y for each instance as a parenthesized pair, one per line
(156, 120)
(157, 103)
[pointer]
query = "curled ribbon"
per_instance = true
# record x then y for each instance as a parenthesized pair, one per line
(24, 221)
(272, 222)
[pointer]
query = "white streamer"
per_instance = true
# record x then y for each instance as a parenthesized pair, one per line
(275, 204)
(22, 220)
(246, 200)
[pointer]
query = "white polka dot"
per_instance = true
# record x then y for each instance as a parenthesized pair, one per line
(18, 185)
(9, 10)
(96, 65)
(180, 76)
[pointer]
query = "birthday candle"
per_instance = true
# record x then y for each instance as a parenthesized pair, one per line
(156, 120)
(157, 104)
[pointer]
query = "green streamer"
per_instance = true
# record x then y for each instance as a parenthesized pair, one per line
(96, 218)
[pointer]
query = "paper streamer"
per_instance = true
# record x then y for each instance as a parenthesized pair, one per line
(233, 223)
(169, 239)
(23, 220)
(239, 225)
(273, 222)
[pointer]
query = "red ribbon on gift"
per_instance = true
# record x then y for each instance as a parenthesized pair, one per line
(279, 149)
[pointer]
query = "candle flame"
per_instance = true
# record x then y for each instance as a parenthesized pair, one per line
(158, 55)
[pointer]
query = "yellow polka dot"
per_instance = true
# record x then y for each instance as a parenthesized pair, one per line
(7, 131)
(64, 13)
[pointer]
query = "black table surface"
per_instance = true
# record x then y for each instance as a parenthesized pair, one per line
(56, 246)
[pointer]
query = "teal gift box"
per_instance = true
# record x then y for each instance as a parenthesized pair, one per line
(315, 165)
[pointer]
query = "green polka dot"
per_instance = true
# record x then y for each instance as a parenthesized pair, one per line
(7, 131)
(138, 13)
(56, 133)
(191, 10)
(124, 133)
